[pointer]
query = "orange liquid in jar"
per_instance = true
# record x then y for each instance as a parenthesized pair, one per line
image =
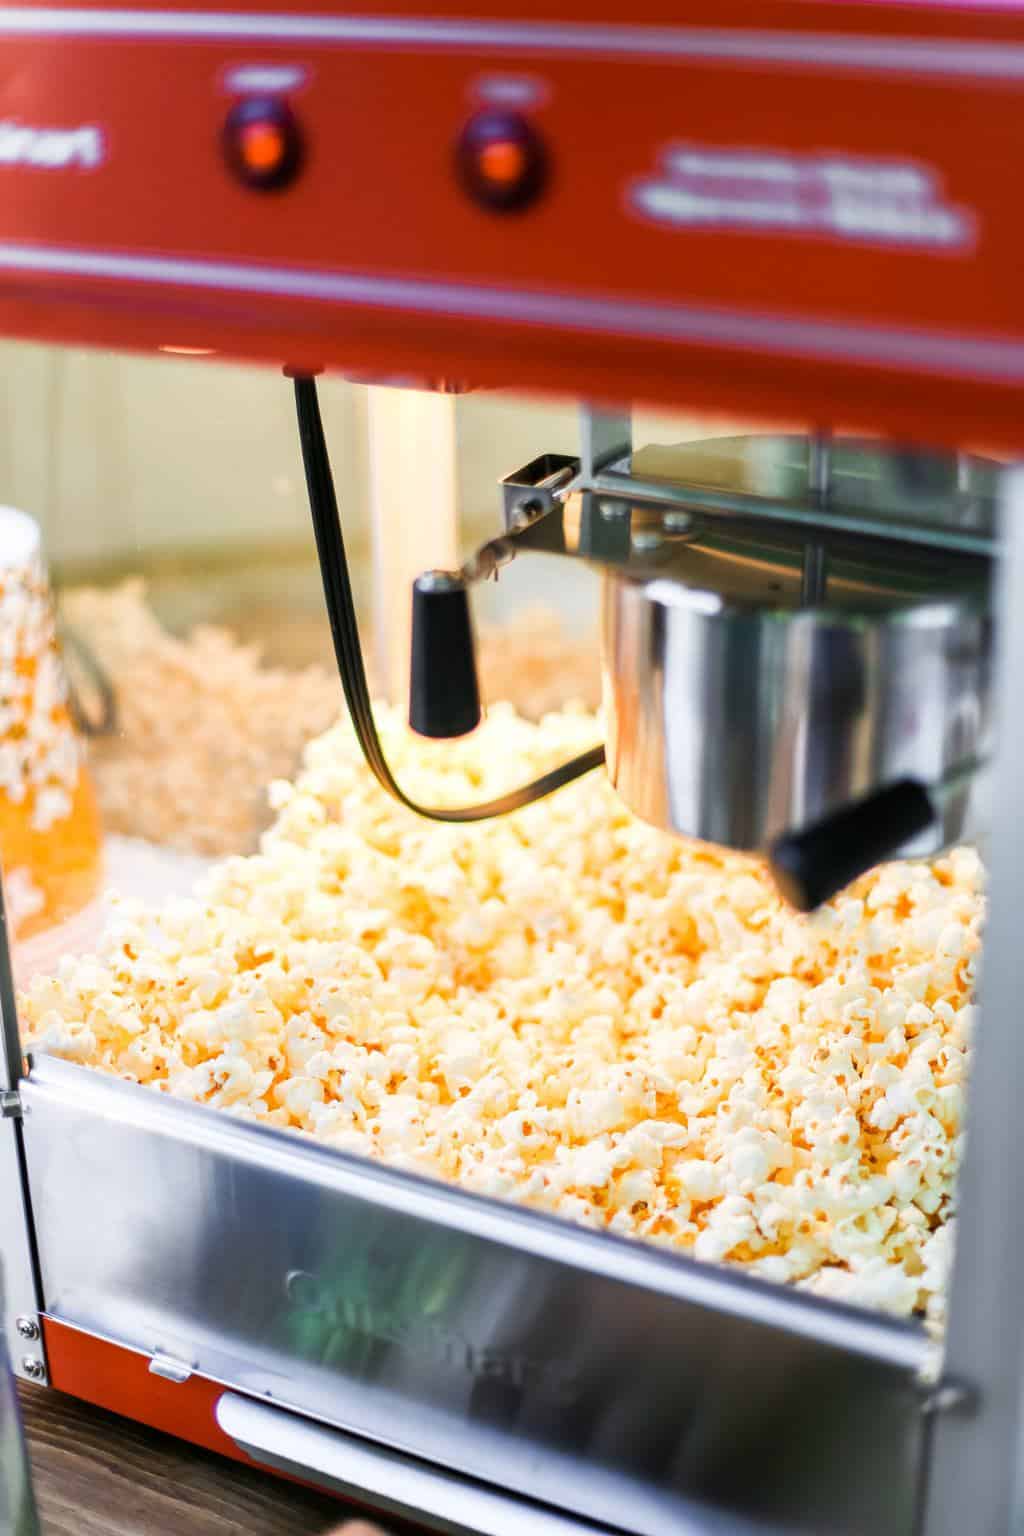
(50, 844)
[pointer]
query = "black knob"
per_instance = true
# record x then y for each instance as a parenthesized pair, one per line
(810, 866)
(444, 695)
(501, 160)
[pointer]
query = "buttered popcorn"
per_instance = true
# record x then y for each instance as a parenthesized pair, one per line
(567, 1008)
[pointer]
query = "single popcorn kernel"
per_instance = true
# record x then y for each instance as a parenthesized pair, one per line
(567, 1008)
(49, 827)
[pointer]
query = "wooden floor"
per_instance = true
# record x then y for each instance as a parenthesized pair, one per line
(98, 1475)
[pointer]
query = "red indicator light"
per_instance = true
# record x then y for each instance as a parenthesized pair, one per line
(501, 161)
(262, 146)
(262, 143)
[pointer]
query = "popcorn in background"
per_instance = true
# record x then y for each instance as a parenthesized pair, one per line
(535, 664)
(205, 723)
(567, 1008)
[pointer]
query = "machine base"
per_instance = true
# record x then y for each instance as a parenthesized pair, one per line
(119, 1379)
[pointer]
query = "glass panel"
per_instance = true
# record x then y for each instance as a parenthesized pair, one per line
(566, 1007)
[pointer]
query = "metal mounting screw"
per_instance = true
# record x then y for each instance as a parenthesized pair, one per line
(677, 522)
(948, 1397)
(525, 512)
(27, 1328)
(613, 510)
(10, 1104)
(34, 1369)
(646, 543)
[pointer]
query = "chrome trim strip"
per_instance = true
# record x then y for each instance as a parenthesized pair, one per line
(976, 1473)
(409, 1488)
(18, 1260)
(946, 353)
(11, 1065)
(950, 58)
(398, 1484)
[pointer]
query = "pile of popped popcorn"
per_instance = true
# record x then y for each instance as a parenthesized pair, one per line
(200, 712)
(203, 724)
(534, 662)
(566, 1008)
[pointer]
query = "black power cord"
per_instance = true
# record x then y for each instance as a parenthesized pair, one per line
(341, 612)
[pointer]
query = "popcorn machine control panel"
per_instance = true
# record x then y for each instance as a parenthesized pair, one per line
(532, 199)
(500, 157)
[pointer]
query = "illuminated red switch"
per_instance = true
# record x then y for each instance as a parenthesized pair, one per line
(501, 160)
(262, 143)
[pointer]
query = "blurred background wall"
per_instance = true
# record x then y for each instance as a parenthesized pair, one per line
(109, 449)
(189, 470)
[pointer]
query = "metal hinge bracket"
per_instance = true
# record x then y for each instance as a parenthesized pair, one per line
(11, 1107)
(169, 1369)
(949, 1397)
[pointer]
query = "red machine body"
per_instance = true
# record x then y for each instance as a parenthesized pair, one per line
(800, 208)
